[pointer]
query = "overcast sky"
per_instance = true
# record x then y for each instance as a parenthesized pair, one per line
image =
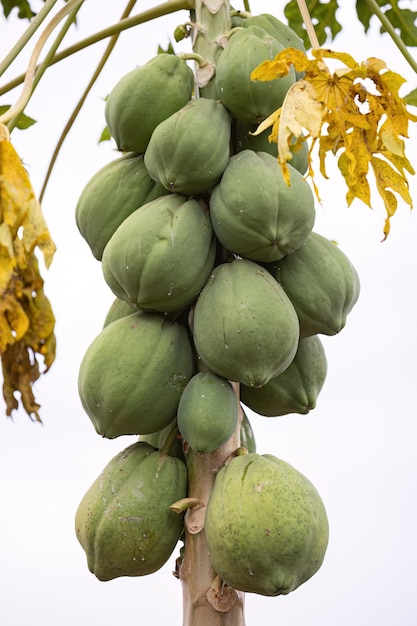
(357, 446)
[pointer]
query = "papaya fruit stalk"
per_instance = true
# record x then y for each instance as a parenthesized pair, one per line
(206, 601)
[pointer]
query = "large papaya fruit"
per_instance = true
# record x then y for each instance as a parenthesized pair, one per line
(124, 522)
(244, 140)
(113, 193)
(255, 214)
(244, 328)
(266, 526)
(321, 283)
(207, 412)
(133, 373)
(145, 97)
(248, 100)
(160, 256)
(297, 388)
(189, 151)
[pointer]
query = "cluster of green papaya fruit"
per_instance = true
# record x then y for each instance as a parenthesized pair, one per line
(218, 277)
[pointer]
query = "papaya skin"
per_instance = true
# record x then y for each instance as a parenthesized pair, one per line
(244, 328)
(133, 373)
(123, 522)
(146, 96)
(266, 526)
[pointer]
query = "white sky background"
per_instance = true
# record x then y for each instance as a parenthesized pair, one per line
(357, 446)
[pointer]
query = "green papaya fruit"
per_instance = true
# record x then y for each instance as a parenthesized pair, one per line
(123, 522)
(133, 373)
(248, 100)
(160, 256)
(207, 412)
(113, 193)
(247, 437)
(321, 283)
(158, 440)
(255, 214)
(266, 526)
(119, 308)
(145, 97)
(243, 140)
(297, 388)
(244, 328)
(279, 31)
(189, 151)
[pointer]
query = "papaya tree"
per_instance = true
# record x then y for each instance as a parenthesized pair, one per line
(204, 228)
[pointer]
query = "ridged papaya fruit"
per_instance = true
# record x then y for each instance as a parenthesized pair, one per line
(145, 97)
(247, 437)
(321, 283)
(248, 100)
(113, 193)
(255, 214)
(189, 151)
(207, 412)
(244, 328)
(297, 388)
(277, 29)
(133, 374)
(243, 140)
(124, 522)
(119, 308)
(160, 256)
(266, 526)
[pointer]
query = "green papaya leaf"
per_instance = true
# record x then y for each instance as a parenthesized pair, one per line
(24, 9)
(404, 21)
(324, 19)
(411, 98)
(24, 121)
(365, 13)
(168, 50)
(105, 135)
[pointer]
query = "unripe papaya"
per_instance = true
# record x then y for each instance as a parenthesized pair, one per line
(244, 328)
(133, 373)
(297, 388)
(189, 151)
(266, 526)
(160, 256)
(119, 308)
(248, 100)
(159, 439)
(124, 522)
(247, 437)
(279, 31)
(255, 214)
(321, 283)
(113, 193)
(243, 140)
(145, 97)
(207, 412)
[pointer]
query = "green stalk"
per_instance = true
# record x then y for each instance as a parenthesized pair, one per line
(80, 103)
(374, 7)
(160, 10)
(27, 35)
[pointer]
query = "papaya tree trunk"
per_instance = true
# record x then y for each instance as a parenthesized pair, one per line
(206, 600)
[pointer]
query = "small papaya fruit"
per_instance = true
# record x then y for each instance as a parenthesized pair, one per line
(119, 308)
(321, 283)
(159, 440)
(296, 389)
(133, 373)
(207, 412)
(244, 140)
(247, 437)
(113, 193)
(244, 328)
(261, 221)
(161, 255)
(266, 526)
(146, 96)
(189, 151)
(123, 522)
(248, 100)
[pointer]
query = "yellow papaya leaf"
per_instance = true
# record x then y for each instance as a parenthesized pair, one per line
(354, 113)
(26, 318)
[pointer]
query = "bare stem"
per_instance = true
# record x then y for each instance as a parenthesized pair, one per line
(305, 14)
